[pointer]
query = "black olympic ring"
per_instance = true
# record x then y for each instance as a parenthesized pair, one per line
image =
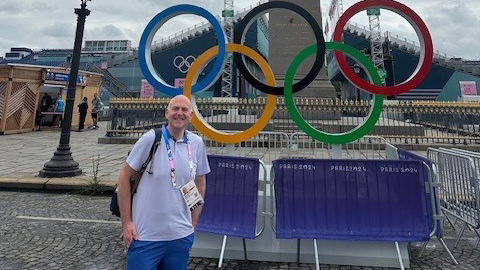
(248, 20)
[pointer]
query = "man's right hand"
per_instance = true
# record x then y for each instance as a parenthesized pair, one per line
(129, 233)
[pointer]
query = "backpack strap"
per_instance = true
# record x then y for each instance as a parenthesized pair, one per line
(153, 150)
(135, 180)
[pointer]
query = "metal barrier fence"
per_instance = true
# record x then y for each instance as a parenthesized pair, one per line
(267, 146)
(460, 193)
(400, 122)
(368, 147)
(475, 182)
(474, 155)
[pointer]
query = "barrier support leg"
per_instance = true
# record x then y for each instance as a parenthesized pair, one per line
(423, 249)
(399, 256)
(298, 251)
(222, 252)
(460, 235)
(245, 249)
(317, 263)
(478, 236)
(448, 251)
(450, 222)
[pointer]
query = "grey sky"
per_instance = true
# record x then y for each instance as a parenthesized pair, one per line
(39, 24)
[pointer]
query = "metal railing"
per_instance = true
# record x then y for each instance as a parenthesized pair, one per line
(460, 195)
(459, 179)
(401, 122)
(113, 85)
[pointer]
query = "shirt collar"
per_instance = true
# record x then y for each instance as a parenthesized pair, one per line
(173, 138)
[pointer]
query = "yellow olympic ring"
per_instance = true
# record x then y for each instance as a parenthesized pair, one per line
(199, 122)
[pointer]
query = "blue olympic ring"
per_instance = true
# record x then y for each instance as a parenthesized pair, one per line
(145, 50)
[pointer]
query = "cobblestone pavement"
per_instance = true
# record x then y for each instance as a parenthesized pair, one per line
(52, 244)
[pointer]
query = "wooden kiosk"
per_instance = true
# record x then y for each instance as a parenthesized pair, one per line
(20, 94)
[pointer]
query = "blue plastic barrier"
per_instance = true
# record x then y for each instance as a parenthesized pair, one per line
(231, 197)
(372, 200)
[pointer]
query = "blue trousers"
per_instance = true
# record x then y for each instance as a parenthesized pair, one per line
(159, 255)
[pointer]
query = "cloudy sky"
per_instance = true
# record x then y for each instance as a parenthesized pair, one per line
(39, 24)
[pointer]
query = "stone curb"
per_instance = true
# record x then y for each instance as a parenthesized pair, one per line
(52, 184)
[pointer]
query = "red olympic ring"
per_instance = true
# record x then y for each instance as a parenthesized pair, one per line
(426, 45)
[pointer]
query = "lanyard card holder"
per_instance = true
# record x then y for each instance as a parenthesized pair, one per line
(191, 195)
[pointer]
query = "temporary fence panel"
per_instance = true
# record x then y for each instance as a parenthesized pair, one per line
(266, 145)
(460, 193)
(368, 147)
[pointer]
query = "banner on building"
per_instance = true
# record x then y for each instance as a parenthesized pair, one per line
(179, 82)
(468, 88)
(146, 90)
(63, 78)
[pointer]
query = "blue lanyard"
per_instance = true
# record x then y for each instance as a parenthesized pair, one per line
(171, 162)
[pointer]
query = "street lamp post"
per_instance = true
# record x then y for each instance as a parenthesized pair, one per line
(62, 163)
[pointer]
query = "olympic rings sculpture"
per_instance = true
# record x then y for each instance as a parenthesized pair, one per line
(219, 52)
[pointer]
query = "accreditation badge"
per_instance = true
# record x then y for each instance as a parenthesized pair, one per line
(191, 195)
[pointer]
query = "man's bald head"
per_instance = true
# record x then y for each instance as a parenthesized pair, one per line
(179, 112)
(182, 99)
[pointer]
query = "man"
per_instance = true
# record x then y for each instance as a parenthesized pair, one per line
(157, 224)
(96, 108)
(82, 109)
(45, 102)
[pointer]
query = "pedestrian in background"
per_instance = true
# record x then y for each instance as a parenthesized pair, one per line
(82, 109)
(96, 108)
(45, 102)
(59, 109)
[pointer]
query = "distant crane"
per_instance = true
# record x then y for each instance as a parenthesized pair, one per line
(227, 75)
(376, 41)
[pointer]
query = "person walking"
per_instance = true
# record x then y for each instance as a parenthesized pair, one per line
(96, 108)
(82, 109)
(158, 222)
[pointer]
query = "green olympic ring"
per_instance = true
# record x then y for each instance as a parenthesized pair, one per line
(333, 138)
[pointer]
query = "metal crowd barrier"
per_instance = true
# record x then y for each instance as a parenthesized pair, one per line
(266, 145)
(368, 147)
(476, 160)
(460, 194)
